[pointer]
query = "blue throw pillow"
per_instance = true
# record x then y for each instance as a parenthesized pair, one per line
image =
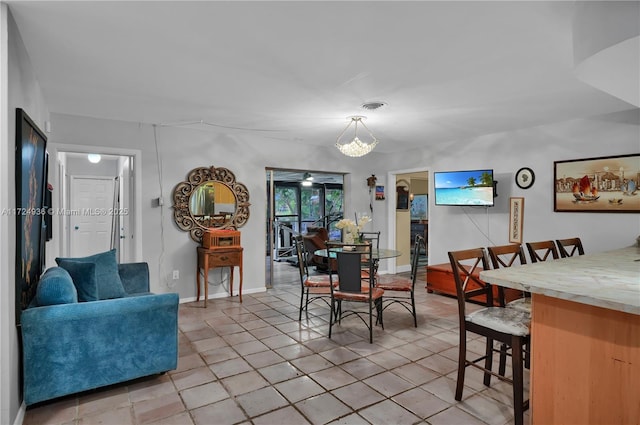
(55, 287)
(108, 279)
(84, 278)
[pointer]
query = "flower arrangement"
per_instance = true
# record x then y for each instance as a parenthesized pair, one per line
(352, 229)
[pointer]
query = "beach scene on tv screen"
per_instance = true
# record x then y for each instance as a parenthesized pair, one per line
(464, 187)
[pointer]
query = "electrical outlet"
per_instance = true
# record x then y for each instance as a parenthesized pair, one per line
(176, 274)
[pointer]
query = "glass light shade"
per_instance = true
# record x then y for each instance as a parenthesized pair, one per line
(94, 158)
(356, 147)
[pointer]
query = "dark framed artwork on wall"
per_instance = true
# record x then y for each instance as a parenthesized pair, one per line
(603, 184)
(31, 145)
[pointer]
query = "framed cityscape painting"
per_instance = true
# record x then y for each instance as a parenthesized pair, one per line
(604, 184)
(31, 145)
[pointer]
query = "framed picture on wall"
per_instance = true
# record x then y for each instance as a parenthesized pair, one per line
(516, 217)
(603, 184)
(419, 205)
(31, 145)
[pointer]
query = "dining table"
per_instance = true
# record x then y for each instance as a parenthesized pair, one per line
(585, 336)
(376, 253)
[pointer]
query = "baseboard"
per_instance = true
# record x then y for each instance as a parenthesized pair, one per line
(224, 295)
(22, 411)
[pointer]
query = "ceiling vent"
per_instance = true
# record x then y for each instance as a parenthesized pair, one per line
(370, 106)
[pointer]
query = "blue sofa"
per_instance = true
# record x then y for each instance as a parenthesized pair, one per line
(70, 346)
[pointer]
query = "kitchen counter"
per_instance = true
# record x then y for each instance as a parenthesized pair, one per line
(585, 336)
(608, 279)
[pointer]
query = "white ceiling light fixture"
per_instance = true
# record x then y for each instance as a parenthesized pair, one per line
(94, 158)
(356, 147)
(308, 176)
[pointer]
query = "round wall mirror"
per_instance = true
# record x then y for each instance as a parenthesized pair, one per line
(210, 198)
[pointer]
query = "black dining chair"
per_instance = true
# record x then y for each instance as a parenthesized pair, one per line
(371, 237)
(354, 287)
(569, 247)
(401, 290)
(314, 287)
(505, 325)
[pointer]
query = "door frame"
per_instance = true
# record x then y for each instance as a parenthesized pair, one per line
(391, 211)
(57, 178)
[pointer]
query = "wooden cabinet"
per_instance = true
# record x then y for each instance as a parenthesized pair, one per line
(440, 279)
(220, 248)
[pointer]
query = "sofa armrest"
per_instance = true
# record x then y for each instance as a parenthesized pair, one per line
(69, 348)
(135, 277)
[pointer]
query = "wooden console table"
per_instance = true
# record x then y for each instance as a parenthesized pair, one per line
(220, 248)
(440, 280)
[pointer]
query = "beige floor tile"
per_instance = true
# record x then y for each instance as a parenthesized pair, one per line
(454, 415)
(255, 363)
(203, 394)
(388, 412)
(332, 378)
(421, 403)
(261, 401)
(223, 412)
(244, 383)
(357, 395)
(192, 378)
(299, 388)
(285, 416)
(115, 416)
(230, 367)
(279, 372)
(323, 408)
(311, 363)
(362, 368)
(157, 408)
(388, 384)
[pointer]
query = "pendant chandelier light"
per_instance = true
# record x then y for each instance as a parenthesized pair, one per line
(356, 147)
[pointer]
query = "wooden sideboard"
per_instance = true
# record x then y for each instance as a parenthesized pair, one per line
(220, 248)
(440, 280)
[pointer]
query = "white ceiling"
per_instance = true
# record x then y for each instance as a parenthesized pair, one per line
(296, 70)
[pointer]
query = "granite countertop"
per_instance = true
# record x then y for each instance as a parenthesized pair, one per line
(608, 279)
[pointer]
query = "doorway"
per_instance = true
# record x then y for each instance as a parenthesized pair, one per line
(408, 216)
(299, 201)
(97, 204)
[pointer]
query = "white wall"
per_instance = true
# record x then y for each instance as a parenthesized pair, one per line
(165, 246)
(21, 90)
(454, 228)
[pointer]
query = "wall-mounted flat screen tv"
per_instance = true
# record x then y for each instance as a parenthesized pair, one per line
(469, 187)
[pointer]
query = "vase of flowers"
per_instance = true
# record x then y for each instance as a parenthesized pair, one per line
(351, 230)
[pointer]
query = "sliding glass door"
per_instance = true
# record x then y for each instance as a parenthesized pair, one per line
(295, 207)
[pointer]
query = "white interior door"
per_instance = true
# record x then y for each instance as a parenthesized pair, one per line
(91, 202)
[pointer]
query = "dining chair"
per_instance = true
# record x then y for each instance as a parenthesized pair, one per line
(540, 251)
(505, 325)
(371, 237)
(569, 247)
(353, 287)
(399, 289)
(506, 256)
(314, 287)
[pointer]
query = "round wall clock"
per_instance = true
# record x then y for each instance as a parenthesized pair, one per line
(525, 178)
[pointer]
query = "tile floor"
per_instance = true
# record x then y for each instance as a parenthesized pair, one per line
(254, 363)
